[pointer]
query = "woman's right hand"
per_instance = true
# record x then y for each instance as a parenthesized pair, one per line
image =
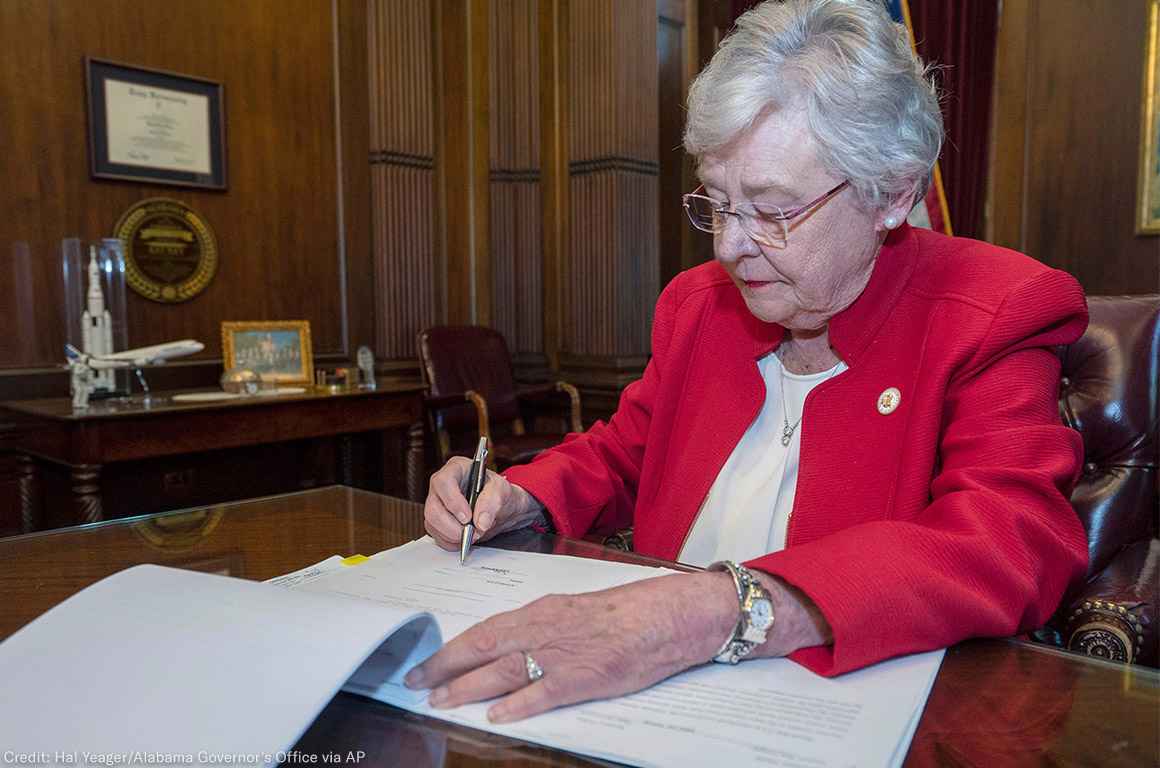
(501, 506)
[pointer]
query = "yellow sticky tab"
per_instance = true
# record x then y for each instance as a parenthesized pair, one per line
(355, 560)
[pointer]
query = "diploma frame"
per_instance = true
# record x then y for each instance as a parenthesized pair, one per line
(100, 71)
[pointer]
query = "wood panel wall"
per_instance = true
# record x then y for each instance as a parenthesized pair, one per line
(555, 186)
(550, 232)
(612, 275)
(679, 37)
(1062, 182)
(464, 55)
(358, 133)
(404, 205)
(515, 195)
(287, 244)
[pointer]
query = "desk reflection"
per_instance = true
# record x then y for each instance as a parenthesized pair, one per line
(391, 738)
(1002, 709)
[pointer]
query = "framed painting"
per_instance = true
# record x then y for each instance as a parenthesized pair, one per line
(277, 351)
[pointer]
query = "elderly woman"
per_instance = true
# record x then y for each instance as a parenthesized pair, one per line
(861, 412)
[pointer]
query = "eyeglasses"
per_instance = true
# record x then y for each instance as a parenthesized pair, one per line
(767, 224)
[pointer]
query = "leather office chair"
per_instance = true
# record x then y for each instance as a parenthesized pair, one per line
(472, 393)
(1108, 391)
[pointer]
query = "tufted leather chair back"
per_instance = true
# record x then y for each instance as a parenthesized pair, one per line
(1108, 392)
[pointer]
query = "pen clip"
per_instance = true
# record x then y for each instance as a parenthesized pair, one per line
(478, 473)
(482, 473)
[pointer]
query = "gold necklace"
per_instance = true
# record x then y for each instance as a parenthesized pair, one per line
(786, 430)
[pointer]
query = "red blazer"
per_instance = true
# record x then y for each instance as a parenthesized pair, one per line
(948, 518)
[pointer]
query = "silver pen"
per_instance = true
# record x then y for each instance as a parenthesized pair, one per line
(474, 487)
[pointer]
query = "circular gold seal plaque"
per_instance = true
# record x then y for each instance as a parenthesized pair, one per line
(170, 252)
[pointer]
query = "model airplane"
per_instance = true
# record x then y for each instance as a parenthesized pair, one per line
(136, 358)
(82, 365)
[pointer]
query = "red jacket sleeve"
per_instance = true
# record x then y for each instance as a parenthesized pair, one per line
(997, 546)
(589, 482)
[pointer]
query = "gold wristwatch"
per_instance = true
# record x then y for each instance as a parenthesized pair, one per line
(756, 614)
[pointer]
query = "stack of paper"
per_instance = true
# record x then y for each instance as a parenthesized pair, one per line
(767, 711)
(200, 666)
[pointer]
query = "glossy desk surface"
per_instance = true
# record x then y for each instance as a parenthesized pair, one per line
(995, 702)
(162, 403)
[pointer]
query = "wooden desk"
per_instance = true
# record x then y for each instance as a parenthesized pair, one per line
(995, 702)
(113, 431)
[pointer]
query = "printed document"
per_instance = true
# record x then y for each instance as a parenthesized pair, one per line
(207, 666)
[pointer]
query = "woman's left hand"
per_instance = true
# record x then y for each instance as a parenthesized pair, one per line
(590, 646)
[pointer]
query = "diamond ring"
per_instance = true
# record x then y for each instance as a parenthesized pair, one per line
(535, 671)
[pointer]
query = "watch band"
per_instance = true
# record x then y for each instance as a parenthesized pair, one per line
(746, 635)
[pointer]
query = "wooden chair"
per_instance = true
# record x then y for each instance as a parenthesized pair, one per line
(471, 392)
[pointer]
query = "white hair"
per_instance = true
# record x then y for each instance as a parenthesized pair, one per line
(871, 106)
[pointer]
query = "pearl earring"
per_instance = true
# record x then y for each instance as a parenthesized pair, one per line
(890, 222)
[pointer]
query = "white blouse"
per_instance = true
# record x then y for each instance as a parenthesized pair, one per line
(747, 510)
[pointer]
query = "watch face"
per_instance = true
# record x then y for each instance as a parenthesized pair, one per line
(761, 614)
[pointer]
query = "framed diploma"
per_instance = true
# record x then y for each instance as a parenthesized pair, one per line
(154, 126)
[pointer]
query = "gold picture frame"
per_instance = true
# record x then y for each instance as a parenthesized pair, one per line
(1148, 189)
(279, 351)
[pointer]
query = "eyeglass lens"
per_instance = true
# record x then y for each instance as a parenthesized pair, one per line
(707, 215)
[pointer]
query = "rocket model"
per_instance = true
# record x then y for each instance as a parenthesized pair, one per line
(97, 325)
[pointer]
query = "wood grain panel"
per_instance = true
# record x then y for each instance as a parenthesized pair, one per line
(671, 84)
(714, 19)
(1006, 173)
(1070, 204)
(404, 201)
(353, 110)
(278, 224)
(554, 55)
(462, 53)
(613, 270)
(681, 246)
(1083, 171)
(514, 159)
(18, 295)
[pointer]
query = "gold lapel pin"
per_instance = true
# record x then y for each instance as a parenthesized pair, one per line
(889, 400)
